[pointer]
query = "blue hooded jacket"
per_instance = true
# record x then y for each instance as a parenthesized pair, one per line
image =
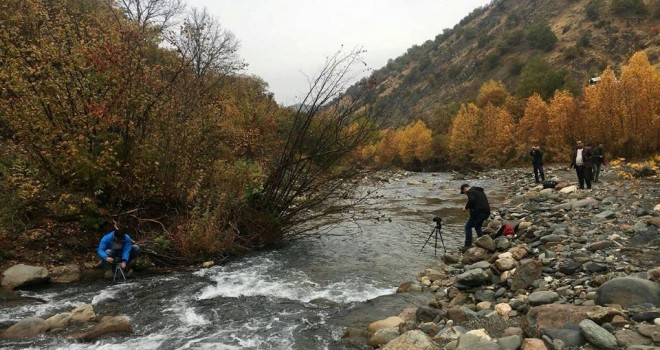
(106, 243)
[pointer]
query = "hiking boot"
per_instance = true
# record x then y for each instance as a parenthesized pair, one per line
(464, 248)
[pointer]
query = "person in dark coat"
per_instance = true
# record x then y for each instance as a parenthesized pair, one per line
(479, 209)
(582, 161)
(599, 160)
(537, 163)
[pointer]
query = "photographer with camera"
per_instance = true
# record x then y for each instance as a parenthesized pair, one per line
(479, 209)
(537, 163)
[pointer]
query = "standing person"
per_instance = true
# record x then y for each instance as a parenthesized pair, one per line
(582, 161)
(479, 209)
(537, 163)
(599, 159)
(116, 246)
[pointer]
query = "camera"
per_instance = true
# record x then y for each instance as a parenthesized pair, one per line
(437, 220)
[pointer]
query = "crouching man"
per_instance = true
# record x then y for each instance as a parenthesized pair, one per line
(115, 247)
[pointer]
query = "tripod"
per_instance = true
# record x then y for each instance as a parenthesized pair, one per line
(437, 231)
(119, 274)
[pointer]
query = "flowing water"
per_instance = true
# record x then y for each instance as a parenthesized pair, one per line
(269, 300)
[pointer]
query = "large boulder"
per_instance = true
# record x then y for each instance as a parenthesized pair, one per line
(470, 341)
(107, 325)
(526, 274)
(390, 322)
(475, 254)
(383, 336)
(83, 313)
(26, 328)
(65, 274)
(552, 316)
(58, 321)
(473, 278)
(628, 291)
(22, 275)
(412, 340)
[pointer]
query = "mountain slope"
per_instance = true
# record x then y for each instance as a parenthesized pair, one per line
(579, 38)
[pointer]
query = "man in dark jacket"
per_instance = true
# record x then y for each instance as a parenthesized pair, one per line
(537, 163)
(116, 247)
(599, 159)
(582, 161)
(479, 209)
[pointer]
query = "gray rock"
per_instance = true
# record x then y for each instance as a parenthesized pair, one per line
(484, 295)
(628, 291)
(543, 297)
(512, 342)
(22, 275)
(485, 242)
(594, 267)
(65, 274)
(475, 277)
(383, 336)
(600, 245)
(451, 333)
(107, 325)
(604, 215)
(597, 336)
(552, 238)
(570, 335)
(478, 265)
(569, 267)
(627, 338)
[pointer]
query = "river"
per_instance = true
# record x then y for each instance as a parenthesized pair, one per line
(268, 300)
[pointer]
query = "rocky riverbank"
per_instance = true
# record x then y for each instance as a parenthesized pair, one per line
(580, 272)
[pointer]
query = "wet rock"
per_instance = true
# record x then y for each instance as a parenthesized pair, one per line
(526, 274)
(415, 339)
(404, 287)
(59, 321)
(26, 328)
(596, 335)
(83, 313)
(107, 325)
(628, 291)
(22, 275)
(65, 274)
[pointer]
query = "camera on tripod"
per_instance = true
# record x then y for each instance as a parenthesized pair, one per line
(436, 232)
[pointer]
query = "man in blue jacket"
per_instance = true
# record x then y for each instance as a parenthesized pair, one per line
(116, 247)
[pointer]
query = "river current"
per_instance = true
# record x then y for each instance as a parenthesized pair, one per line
(269, 299)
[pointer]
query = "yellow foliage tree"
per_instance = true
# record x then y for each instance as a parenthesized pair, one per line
(640, 93)
(493, 92)
(532, 128)
(564, 126)
(496, 145)
(464, 132)
(414, 142)
(603, 111)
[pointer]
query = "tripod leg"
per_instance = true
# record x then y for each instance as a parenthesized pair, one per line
(435, 247)
(427, 240)
(442, 240)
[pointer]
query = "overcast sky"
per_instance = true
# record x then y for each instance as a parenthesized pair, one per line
(282, 40)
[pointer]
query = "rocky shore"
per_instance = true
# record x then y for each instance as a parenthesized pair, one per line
(581, 271)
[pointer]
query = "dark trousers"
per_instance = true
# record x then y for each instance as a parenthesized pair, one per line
(116, 254)
(584, 175)
(596, 170)
(538, 170)
(475, 221)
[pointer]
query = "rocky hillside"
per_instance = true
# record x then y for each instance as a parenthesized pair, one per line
(578, 38)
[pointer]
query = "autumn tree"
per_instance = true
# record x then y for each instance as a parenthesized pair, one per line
(493, 92)
(464, 134)
(532, 129)
(640, 97)
(495, 146)
(565, 126)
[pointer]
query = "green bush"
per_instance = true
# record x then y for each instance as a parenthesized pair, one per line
(539, 76)
(624, 8)
(541, 37)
